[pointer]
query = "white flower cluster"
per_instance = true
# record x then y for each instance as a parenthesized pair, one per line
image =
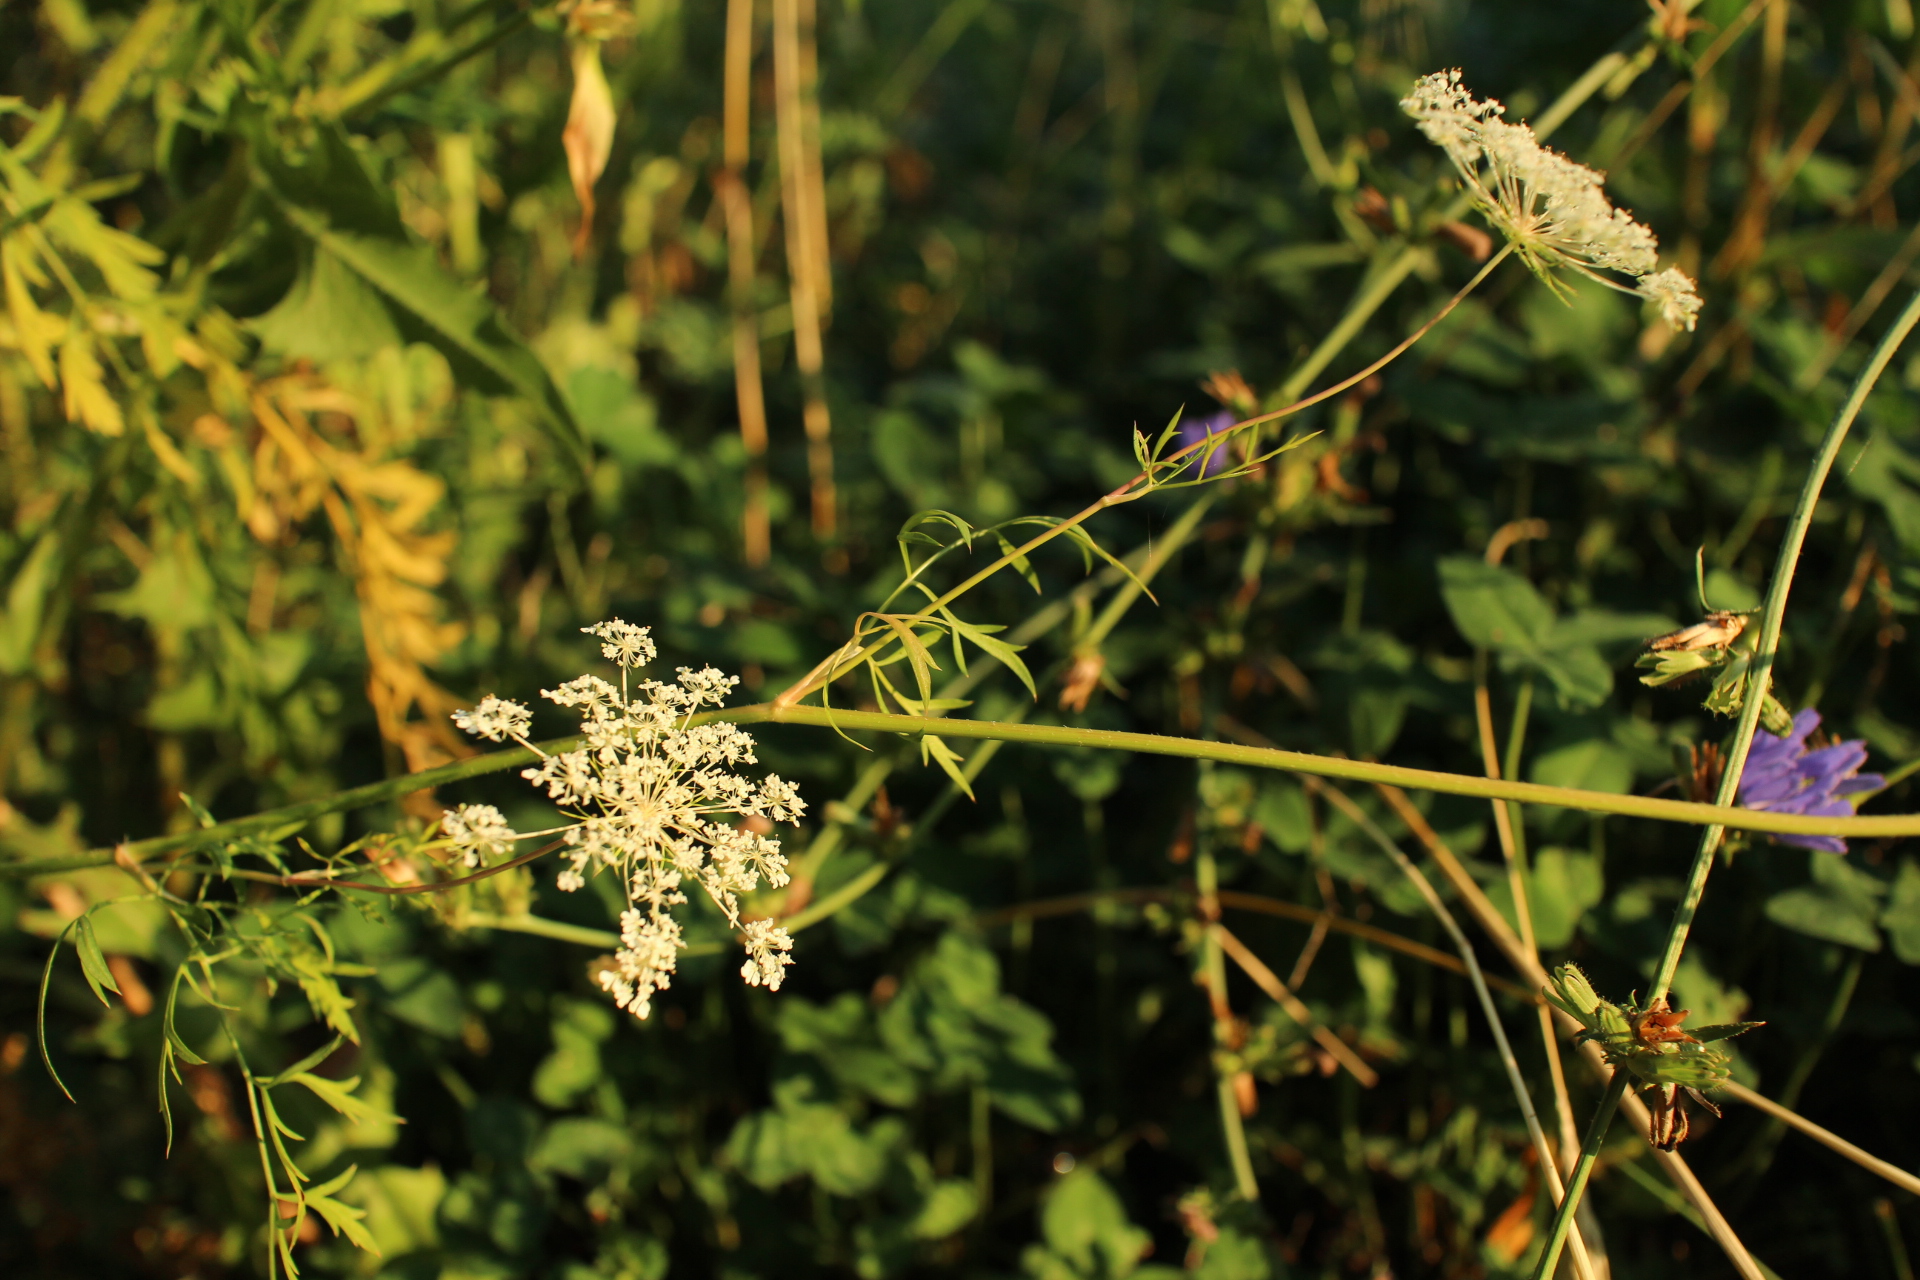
(1554, 211)
(479, 832)
(650, 794)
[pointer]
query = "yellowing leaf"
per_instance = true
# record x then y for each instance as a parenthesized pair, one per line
(86, 398)
(33, 329)
(588, 137)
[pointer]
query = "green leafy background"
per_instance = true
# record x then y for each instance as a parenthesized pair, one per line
(1049, 222)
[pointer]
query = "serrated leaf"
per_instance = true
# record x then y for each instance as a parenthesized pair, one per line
(338, 1094)
(93, 962)
(83, 386)
(345, 1219)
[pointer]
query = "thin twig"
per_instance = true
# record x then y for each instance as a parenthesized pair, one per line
(1549, 1169)
(1269, 982)
(1529, 967)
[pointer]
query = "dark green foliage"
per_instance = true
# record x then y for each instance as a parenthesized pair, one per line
(268, 235)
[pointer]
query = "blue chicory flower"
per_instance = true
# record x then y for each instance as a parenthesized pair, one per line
(1783, 776)
(1195, 431)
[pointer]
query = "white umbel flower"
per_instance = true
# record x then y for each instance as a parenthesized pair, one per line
(767, 958)
(1554, 211)
(495, 719)
(655, 799)
(1673, 293)
(478, 832)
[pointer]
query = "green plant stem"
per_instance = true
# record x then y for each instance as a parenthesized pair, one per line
(1213, 975)
(1299, 762)
(1130, 591)
(1760, 1151)
(850, 655)
(1582, 1170)
(1761, 678)
(1674, 1202)
(541, 927)
(1759, 682)
(1549, 1168)
(1896, 1244)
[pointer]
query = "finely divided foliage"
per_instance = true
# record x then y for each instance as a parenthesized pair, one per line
(649, 791)
(281, 255)
(1554, 211)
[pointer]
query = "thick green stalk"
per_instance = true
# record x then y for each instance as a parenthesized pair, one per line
(1582, 1170)
(1301, 762)
(1760, 681)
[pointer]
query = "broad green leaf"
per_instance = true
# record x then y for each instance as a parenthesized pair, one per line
(333, 202)
(950, 1205)
(581, 1147)
(1597, 764)
(1901, 919)
(1579, 675)
(1494, 608)
(1604, 627)
(1841, 905)
(1562, 884)
(1085, 1228)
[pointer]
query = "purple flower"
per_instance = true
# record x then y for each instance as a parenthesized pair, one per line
(1195, 431)
(1783, 776)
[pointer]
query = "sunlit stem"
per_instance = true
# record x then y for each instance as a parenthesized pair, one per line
(1760, 679)
(1535, 1133)
(1139, 486)
(1582, 1170)
(1213, 976)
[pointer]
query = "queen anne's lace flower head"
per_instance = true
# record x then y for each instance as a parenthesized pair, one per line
(655, 798)
(1555, 212)
(495, 719)
(478, 832)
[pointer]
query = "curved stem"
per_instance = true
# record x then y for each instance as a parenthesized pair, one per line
(844, 659)
(1760, 679)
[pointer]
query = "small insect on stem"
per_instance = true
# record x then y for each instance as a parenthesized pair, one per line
(1720, 629)
(1667, 1123)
